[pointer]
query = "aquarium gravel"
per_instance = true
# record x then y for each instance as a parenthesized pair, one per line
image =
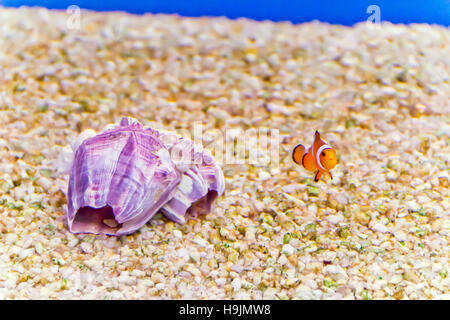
(379, 94)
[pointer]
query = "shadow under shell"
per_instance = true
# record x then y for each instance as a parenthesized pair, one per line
(95, 220)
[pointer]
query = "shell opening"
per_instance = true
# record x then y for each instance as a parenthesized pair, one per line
(95, 220)
(203, 205)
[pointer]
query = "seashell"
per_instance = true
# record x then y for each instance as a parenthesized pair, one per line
(121, 177)
(200, 183)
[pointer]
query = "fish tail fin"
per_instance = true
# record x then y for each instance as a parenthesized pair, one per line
(298, 153)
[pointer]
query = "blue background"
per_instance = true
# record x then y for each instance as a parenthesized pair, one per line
(296, 11)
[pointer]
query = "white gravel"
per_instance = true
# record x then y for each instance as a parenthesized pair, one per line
(379, 230)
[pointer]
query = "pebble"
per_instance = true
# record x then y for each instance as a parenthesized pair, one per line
(335, 219)
(264, 175)
(312, 208)
(392, 176)
(11, 238)
(271, 107)
(303, 292)
(282, 260)
(362, 217)
(86, 247)
(379, 227)
(220, 281)
(39, 249)
(236, 284)
(201, 242)
(177, 234)
(413, 206)
(73, 242)
(273, 60)
(160, 286)
(288, 250)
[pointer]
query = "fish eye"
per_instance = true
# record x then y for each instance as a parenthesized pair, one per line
(323, 154)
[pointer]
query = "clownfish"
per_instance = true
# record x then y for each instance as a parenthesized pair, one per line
(319, 157)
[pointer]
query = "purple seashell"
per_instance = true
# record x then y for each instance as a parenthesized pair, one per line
(123, 176)
(202, 181)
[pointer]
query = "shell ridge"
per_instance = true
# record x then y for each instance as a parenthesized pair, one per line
(148, 196)
(98, 178)
(145, 216)
(120, 186)
(134, 209)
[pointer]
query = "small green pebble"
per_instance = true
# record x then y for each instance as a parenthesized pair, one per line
(420, 233)
(310, 226)
(381, 209)
(287, 238)
(45, 173)
(329, 283)
(365, 295)
(422, 212)
(343, 232)
(313, 191)
(16, 206)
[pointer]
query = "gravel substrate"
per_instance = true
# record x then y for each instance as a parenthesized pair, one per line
(380, 96)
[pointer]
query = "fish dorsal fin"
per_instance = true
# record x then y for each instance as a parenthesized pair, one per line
(318, 142)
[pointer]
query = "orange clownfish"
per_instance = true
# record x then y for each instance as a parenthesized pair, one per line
(319, 157)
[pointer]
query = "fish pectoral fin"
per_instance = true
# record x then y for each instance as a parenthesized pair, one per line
(318, 176)
(320, 173)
